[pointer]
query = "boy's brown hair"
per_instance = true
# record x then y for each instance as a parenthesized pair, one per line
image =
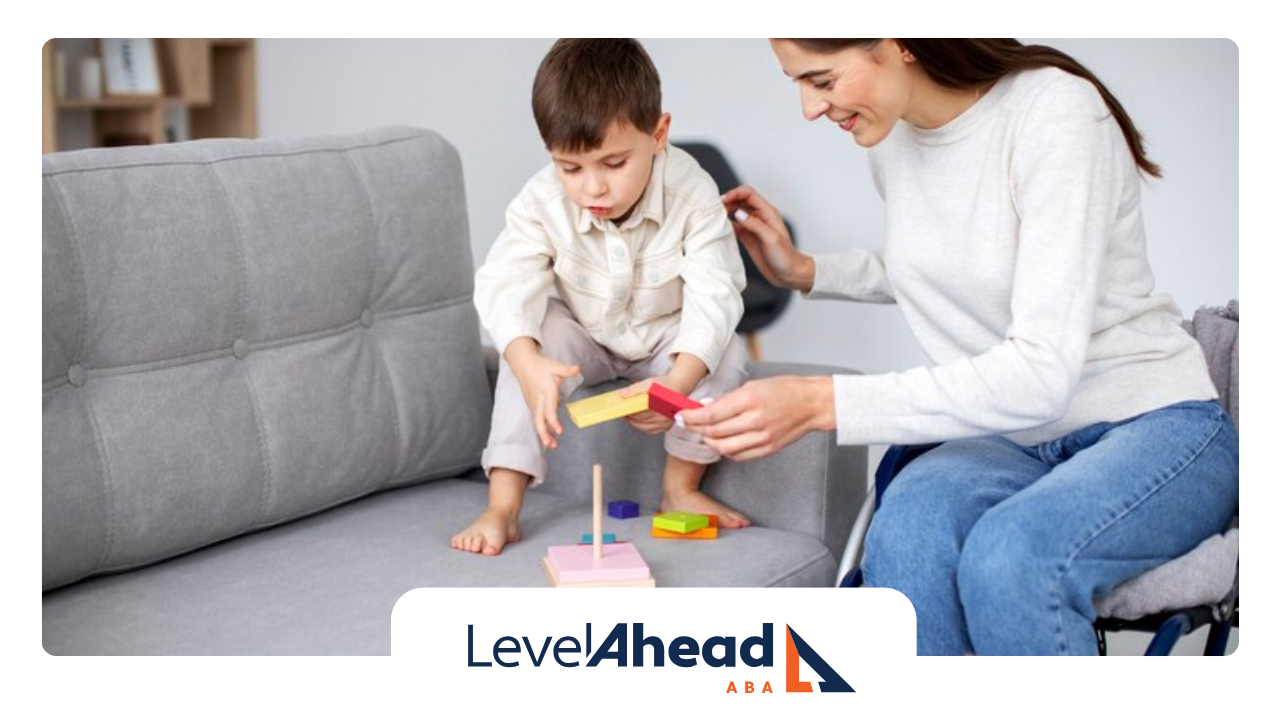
(585, 85)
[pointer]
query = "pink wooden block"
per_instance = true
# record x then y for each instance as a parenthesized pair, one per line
(620, 561)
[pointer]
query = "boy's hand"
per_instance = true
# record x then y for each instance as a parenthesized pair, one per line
(648, 421)
(539, 379)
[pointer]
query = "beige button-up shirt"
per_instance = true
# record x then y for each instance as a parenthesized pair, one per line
(672, 262)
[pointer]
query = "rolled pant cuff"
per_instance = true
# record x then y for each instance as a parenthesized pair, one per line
(692, 450)
(517, 458)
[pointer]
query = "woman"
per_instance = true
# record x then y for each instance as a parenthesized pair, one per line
(1083, 444)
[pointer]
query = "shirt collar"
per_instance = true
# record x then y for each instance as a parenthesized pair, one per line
(650, 206)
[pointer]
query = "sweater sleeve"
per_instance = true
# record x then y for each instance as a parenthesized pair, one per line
(1067, 167)
(515, 281)
(856, 275)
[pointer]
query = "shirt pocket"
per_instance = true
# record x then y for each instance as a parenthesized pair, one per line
(658, 287)
(583, 287)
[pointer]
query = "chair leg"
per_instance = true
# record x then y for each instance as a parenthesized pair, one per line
(1168, 635)
(1219, 633)
(853, 547)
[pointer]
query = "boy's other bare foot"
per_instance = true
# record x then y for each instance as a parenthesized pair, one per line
(488, 534)
(696, 501)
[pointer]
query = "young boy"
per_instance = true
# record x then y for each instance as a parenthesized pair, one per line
(631, 236)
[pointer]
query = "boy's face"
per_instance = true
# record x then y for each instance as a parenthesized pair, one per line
(609, 180)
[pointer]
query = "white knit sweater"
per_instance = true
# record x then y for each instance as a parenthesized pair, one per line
(1015, 248)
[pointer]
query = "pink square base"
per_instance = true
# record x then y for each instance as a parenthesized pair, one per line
(618, 561)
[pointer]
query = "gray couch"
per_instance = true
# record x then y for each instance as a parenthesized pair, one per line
(265, 398)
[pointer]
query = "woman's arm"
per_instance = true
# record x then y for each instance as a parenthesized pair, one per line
(857, 275)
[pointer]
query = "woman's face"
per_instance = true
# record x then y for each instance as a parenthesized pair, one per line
(863, 91)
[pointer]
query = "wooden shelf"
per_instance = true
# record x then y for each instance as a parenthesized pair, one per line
(109, 103)
(213, 81)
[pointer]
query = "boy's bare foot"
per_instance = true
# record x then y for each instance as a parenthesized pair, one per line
(696, 501)
(488, 534)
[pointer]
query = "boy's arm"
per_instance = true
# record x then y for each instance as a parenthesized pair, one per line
(511, 294)
(685, 374)
(713, 282)
(513, 284)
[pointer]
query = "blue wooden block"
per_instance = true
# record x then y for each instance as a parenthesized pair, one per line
(623, 509)
(609, 538)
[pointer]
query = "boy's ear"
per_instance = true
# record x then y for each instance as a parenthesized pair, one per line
(661, 132)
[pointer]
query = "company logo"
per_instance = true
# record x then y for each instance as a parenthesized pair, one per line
(627, 645)
(797, 648)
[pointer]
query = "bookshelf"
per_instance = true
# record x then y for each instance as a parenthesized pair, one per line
(209, 90)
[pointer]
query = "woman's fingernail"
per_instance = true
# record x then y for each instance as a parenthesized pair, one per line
(680, 420)
(740, 215)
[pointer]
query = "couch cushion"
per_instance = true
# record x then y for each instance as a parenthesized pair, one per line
(327, 584)
(238, 333)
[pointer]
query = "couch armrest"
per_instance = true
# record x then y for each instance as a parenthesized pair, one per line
(813, 487)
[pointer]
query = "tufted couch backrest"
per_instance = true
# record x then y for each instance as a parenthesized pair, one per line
(238, 333)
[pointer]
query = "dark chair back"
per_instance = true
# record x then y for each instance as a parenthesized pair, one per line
(763, 303)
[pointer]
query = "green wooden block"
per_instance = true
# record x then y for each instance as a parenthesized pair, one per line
(680, 522)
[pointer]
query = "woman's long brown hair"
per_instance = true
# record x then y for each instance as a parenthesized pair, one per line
(962, 63)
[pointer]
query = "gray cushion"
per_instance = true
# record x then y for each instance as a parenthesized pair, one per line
(327, 584)
(239, 333)
(1207, 574)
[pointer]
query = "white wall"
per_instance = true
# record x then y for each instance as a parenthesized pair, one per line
(1183, 94)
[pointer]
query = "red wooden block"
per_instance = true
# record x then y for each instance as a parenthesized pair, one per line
(666, 401)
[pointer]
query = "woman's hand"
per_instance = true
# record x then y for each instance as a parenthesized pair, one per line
(764, 416)
(539, 379)
(760, 229)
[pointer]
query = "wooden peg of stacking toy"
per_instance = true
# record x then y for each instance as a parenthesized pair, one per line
(599, 564)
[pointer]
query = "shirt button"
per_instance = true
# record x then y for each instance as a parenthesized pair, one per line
(622, 328)
(619, 252)
(582, 280)
(620, 295)
(653, 276)
(76, 376)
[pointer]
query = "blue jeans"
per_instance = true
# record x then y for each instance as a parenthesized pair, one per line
(1002, 548)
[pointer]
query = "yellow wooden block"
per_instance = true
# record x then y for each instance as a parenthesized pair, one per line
(606, 406)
